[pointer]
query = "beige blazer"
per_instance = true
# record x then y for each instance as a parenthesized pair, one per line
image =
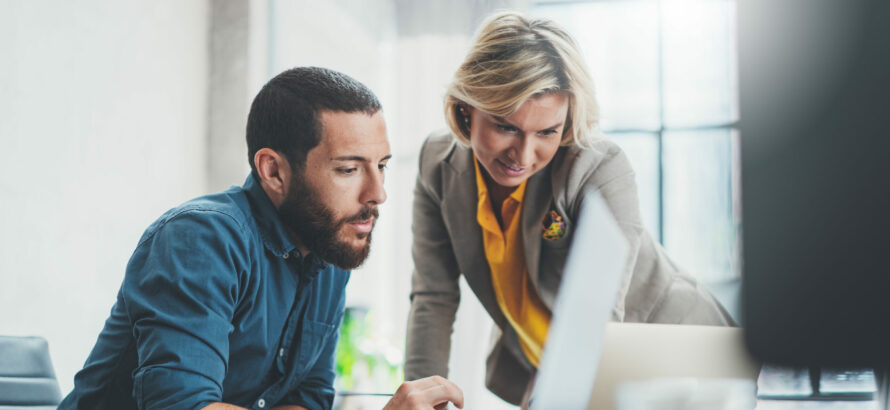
(448, 243)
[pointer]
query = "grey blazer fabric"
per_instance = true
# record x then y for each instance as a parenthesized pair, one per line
(448, 243)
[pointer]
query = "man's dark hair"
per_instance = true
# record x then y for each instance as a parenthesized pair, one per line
(284, 114)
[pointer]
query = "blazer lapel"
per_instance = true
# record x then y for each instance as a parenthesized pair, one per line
(534, 206)
(459, 199)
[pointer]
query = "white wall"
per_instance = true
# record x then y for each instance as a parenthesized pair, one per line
(102, 128)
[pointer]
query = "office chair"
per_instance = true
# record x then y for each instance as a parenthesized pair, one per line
(27, 379)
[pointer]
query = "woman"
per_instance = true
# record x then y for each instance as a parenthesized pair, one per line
(497, 199)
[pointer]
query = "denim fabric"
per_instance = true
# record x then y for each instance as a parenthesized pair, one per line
(217, 305)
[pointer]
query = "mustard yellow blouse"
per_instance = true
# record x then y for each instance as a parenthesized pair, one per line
(515, 294)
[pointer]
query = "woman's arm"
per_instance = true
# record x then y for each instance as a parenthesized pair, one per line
(609, 172)
(435, 291)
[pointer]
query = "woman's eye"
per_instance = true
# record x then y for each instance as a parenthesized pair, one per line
(382, 166)
(548, 133)
(506, 128)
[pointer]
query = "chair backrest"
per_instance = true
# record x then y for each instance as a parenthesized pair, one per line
(27, 379)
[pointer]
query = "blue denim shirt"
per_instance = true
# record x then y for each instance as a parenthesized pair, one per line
(217, 305)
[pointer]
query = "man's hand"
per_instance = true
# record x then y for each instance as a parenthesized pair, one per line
(433, 392)
(226, 406)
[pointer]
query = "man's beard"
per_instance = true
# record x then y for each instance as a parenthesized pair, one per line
(317, 229)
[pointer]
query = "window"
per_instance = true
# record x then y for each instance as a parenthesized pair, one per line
(665, 72)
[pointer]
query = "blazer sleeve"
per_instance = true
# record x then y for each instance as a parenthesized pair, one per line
(435, 291)
(609, 171)
(652, 288)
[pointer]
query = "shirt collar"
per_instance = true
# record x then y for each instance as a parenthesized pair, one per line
(269, 224)
(275, 236)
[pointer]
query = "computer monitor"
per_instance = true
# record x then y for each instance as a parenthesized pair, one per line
(814, 122)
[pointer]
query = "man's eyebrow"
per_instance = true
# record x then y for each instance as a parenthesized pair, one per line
(357, 158)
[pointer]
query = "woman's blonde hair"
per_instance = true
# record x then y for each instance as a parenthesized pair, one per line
(515, 58)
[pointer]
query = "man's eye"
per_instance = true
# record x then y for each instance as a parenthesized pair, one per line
(346, 171)
(382, 166)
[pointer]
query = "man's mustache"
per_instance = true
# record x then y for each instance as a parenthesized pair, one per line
(366, 213)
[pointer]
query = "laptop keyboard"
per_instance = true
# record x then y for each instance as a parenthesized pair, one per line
(781, 387)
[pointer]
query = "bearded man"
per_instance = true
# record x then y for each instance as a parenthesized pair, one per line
(233, 300)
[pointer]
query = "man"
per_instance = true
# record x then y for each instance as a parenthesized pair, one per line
(233, 299)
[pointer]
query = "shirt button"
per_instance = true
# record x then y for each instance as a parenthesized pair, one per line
(261, 403)
(281, 352)
(285, 256)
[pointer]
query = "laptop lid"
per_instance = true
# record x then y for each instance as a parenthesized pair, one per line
(587, 294)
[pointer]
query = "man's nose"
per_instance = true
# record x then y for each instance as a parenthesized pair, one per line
(373, 192)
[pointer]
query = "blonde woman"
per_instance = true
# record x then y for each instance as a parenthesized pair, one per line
(498, 196)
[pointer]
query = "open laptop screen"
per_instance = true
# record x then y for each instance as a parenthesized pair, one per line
(589, 286)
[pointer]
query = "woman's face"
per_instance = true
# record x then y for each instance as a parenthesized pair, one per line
(512, 149)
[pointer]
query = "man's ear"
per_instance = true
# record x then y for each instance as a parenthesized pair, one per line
(274, 172)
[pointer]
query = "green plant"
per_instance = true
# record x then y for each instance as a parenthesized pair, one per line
(363, 359)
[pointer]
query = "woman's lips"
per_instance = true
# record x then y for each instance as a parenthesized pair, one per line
(511, 171)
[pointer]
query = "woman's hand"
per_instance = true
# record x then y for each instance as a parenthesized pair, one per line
(527, 397)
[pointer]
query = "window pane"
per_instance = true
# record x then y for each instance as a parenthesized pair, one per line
(642, 150)
(620, 45)
(700, 232)
(698, 37)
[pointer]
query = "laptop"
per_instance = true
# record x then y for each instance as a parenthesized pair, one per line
(587, 358)
(635, 352)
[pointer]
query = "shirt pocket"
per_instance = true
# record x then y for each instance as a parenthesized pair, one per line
(315, 337)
